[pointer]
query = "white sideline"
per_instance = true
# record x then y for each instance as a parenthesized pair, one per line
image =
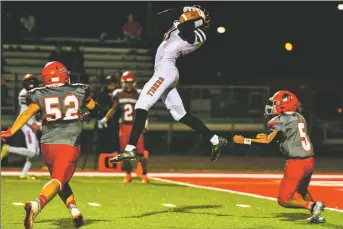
(227, 190)
(181, 175)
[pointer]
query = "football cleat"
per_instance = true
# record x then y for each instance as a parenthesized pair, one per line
(145, 179)
(4, 151)
(125, 155)
(77, 216)
(128, 178)
(317, 208)
(218, 149)
(27, 177)
(31, 208)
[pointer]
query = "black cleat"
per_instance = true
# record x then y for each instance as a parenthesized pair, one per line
(126, 155)
(218, 149)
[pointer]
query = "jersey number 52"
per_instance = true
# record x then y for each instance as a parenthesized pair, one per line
(53, 107)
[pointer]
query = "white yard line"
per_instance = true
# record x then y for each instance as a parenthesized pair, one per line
(181, 175)
(227, 190)
(94, 204)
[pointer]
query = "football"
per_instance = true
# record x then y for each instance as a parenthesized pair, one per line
(189, 15)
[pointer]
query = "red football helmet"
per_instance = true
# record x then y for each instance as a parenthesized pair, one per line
(128, 80)
(55, 73)
(282, 101)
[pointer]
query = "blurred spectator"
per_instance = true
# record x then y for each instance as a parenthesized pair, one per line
(132, 30)
(76, 65)
(28, 23)
(59, 55)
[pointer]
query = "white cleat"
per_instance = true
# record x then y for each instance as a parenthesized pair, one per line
(317, 209)
(32, 210)
(77, 216)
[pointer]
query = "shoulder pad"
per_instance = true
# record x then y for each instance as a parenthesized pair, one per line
(116, 92)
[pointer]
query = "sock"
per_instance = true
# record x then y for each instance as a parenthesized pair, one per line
(130, 147)
(138, 126)
(197, 125)
(20, 150)
(67, 196)
(127, 166)
(309, 205)
(48, 192)
(214, 140)
(144, 163)
(26, 168)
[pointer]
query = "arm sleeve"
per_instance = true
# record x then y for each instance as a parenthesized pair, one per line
(190, 32)
(275, 124)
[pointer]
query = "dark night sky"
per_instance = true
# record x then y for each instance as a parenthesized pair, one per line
(251, 50)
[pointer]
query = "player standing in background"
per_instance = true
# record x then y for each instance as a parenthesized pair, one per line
(60, 104)
(106, 140)
(296, 146)
(30, 130)
(182, 38)
(124, 100)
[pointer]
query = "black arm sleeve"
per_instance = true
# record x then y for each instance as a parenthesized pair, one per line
(94, 112)
(187, 31)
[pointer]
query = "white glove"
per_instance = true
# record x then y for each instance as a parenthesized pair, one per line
(102, 123)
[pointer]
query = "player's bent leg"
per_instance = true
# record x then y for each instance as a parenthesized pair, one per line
(174, 104)
(151, 92)
(67, 196)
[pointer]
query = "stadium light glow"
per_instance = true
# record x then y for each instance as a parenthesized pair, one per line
(289, 46)
(221, 29)
(340, 6)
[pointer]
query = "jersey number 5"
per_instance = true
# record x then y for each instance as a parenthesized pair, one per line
(303, 137)
(53, 111)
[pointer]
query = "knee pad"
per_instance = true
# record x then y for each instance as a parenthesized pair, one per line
(177, 111)
(281, 200)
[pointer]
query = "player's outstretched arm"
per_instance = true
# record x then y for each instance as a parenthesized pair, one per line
(109, 115)
(22, 119)
(260, 138)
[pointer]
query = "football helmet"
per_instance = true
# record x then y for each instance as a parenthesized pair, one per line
(30, 82)
(282, 101)
(128, 81)
(55, 73)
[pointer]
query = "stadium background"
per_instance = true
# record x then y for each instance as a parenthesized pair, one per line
(226, 83)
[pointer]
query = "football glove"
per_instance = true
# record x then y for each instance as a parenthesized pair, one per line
(102, 123)
(6, 134)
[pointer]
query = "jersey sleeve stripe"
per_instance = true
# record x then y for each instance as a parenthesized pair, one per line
(199, 37)
(202, 33)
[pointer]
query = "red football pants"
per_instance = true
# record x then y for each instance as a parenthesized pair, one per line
(61, 161)
(124, 136)
(296, 178)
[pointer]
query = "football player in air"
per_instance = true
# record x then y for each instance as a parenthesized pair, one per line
(181, 39)
(60, 104)
(30, 130)
(296, 146)
(124, 100)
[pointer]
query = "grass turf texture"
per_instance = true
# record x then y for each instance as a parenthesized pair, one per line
(138, 205)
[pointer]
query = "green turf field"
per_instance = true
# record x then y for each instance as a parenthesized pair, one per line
(139, 205)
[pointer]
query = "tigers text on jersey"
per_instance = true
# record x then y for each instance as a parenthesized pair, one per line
(174, 46)
(295, 142)
(60, 107)
(23, 105)
(126, 104)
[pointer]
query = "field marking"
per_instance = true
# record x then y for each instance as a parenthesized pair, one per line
(176, 175)
(94, 204)
(169, 205)
(243, 205)
(18, 203)
(228, 190)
